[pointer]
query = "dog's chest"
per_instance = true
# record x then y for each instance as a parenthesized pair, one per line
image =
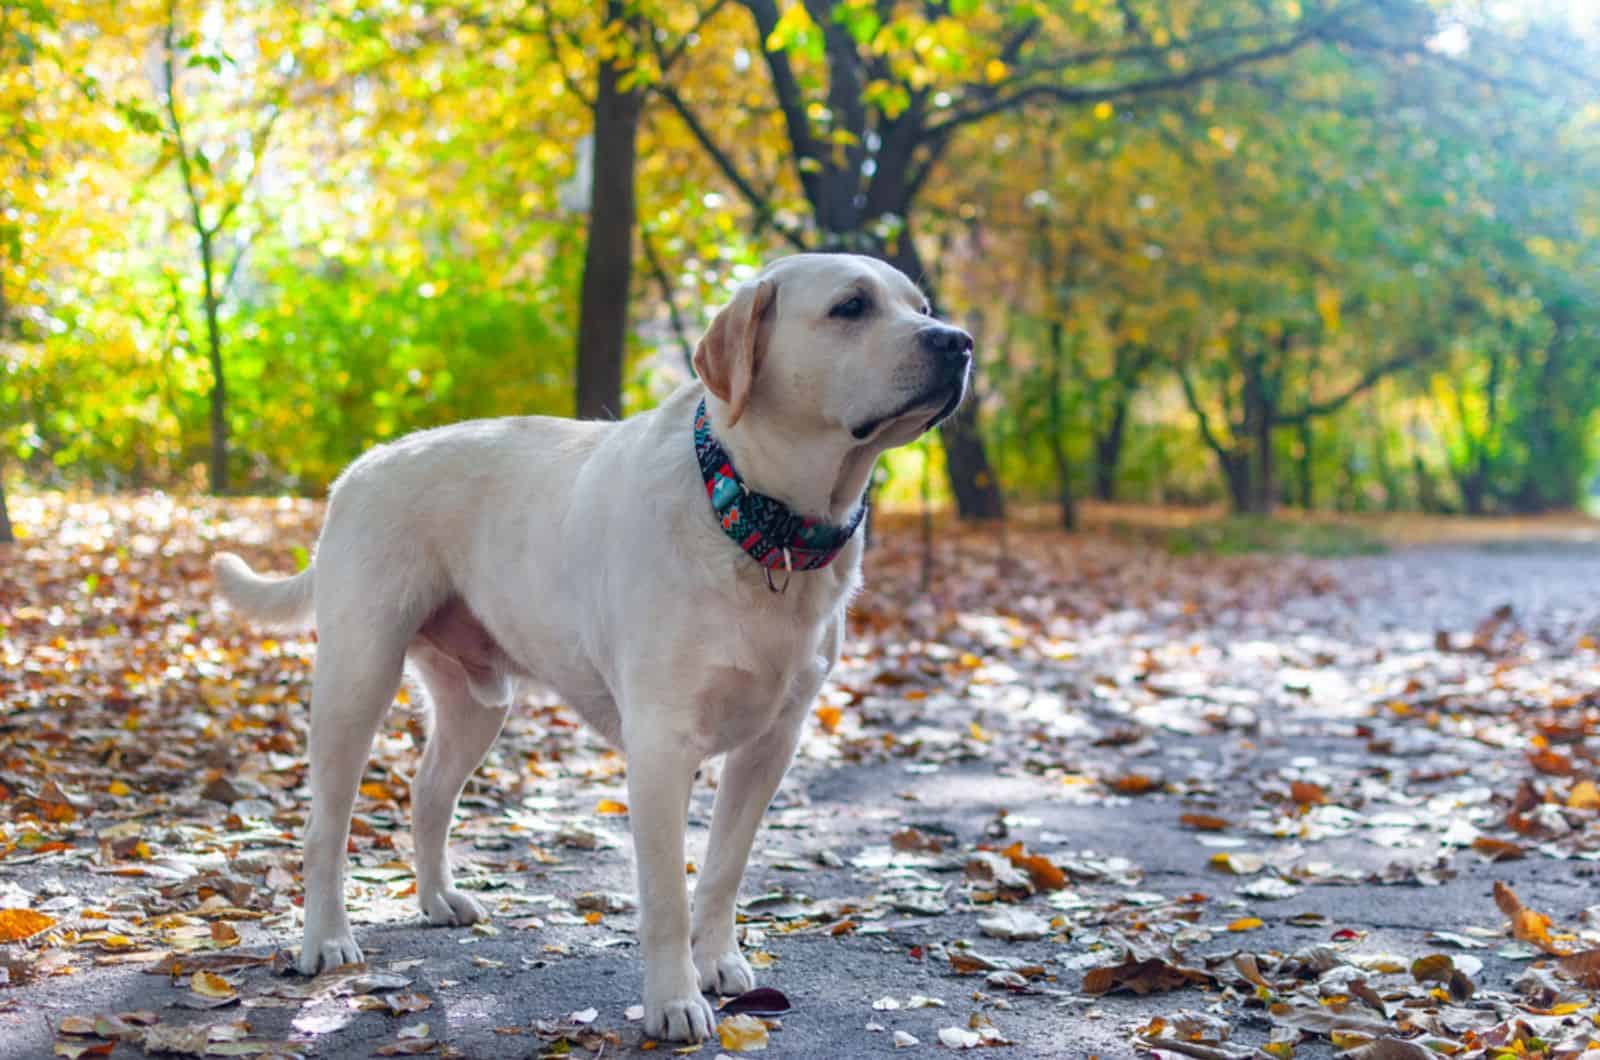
(767, 659)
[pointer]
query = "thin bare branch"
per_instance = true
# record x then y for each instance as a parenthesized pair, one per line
(765, 215)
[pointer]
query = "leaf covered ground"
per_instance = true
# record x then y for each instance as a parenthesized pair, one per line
(1071, 797)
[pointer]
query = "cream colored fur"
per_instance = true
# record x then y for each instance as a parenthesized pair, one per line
(584, 557)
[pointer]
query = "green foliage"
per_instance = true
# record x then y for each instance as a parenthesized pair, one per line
(1350, 271)
(1246, 534)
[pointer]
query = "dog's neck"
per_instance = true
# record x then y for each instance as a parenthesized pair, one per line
(817, 479)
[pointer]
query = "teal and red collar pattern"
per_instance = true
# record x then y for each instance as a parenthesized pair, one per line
(769, 531)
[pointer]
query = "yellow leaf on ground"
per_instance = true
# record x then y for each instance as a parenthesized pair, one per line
(829, 717)
(1246, 923)
(209, 984)
(18, 924)
(611, 808)
(742, 1034)
(1584, 796)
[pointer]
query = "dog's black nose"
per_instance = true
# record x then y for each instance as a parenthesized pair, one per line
(952, 346)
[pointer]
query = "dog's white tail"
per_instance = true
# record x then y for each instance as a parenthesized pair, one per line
(274, 601)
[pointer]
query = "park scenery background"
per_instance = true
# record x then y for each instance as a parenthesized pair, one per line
(1288, 310)
(1324, 254)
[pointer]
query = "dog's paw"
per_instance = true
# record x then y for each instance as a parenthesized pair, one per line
(451, 907)
(679, 1019)
(326, 954)
(725, 973)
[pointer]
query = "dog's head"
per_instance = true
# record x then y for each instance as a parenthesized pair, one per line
(837, 343)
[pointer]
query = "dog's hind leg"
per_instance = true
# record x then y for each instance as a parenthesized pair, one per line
(461, 734)
(357, 674)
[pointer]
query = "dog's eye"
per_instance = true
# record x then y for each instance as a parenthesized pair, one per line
(851, 308)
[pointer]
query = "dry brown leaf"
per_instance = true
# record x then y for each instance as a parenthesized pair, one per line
(1497, 849)
(1582, 968)
(1136, 784)
(1143, 975)
(1307, 794)
(1044, 873)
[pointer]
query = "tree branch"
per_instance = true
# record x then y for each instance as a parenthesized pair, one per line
(665, 283)
(1104, 93)
(790, 98)
(1419, 352)
(1199, 410)
(554, 45)
(170, 90)
(765, 215)
(669, 59)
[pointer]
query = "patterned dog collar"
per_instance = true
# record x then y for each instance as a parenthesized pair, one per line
(767, 529)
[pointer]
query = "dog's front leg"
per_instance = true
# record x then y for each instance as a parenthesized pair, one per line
(660, 773)
(749, 780)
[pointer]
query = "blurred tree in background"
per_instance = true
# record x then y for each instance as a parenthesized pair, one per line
(1327, 254)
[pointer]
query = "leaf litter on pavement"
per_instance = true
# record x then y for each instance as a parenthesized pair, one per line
(153, 782)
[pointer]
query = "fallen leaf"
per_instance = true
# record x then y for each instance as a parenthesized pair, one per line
(1582, 968)
(761, 1001)
(1136, 784)
(397, 1004)
(1014, 925)
(18, 924)
(1307, 794)
(1146, 975)
(1526, 924)
(208, 984)
(1497, 849)
(1044, 873)
(1585, 795)
(742, 1033)
(958, 1038)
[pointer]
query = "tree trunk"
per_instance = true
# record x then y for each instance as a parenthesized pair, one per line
(1236, 469)
(219, 380)
(1473, 491)
(1303, 466)
(1387, 475)
(1260, 417)
(608, 257)
(1108, 451)
(973, 484)
(6, 536)
(1427, 491)
(1058, 429)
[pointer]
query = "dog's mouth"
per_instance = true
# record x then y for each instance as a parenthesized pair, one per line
(946, 397)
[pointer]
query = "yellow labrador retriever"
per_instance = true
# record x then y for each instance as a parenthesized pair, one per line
(679, 578)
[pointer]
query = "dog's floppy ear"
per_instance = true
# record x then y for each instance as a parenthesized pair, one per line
(729, 355)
